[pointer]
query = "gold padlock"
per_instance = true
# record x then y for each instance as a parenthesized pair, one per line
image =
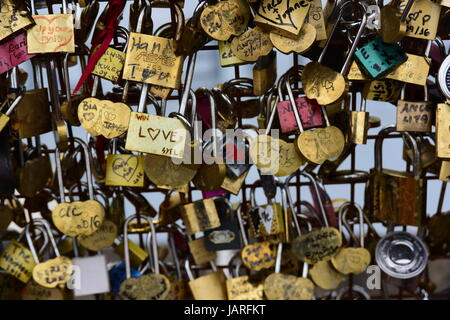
(199, 216)
(211, 286)
(397, 197)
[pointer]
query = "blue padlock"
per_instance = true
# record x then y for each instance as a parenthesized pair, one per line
(378, 58)
(117, 275)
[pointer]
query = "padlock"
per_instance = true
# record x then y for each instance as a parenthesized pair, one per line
(406, 206)
(199, 253)
(211, 173)
(225, 237)
(169, 209)
(211, 286)
(279, 286)
(154, 286)
(243, 287)
(316, 17)
(79, 217)
(318, 245)
(322, 83)
(264, 73)
(266, 220)
(393, 21)
(199, 216)
(13, 17)
(193, 37)
(351, 260)
(359, 124)
(54, 272)
(4, 117)
(377, 58)
(225, 19)
(32, 116)
(227, 57)
(423, 20)
(258, 255)
(18, 260)
(36, 173)
(110, 65)
(179, 170)
(52, 32)
(309, 110)
(382, 90)
(272, 155)
(125, 170)
(318, 144)
(284, 17)
(414, 116)
(137, 66)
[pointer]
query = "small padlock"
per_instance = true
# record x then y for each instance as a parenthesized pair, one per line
(199, 216)
(154, 286)
(211, 286)
(378, 58)
(359, 124)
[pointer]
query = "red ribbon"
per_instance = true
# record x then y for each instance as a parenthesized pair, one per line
(105, 37)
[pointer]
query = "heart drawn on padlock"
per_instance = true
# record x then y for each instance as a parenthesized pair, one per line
(103, 117)
(266, 215)
(76, 218)
(125, 168)
(278, 286)
(52, 33)
(153, 133)
(53, 272)
(147, 287)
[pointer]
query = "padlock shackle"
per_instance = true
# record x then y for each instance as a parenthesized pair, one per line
(343, 210)
(151, 247)
(173, 252)
(278, 258)
(87, 164)
(315, 185)
(354, 44)
(287, 83)
(41, 226)
(379, 149)
(188, 83)
(212, 108)
(241, 225)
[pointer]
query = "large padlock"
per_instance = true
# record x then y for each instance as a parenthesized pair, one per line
(397, 197)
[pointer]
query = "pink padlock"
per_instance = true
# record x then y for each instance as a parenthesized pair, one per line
(309, 110)
(13, 52)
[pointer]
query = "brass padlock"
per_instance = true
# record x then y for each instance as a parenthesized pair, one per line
(264, 73)
(199, 216)
(140, 62)
(405, 206)
(414, 115)
(359, 124)
(211, 286)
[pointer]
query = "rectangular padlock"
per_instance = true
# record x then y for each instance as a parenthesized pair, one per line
(199, 216)
(90, 276)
